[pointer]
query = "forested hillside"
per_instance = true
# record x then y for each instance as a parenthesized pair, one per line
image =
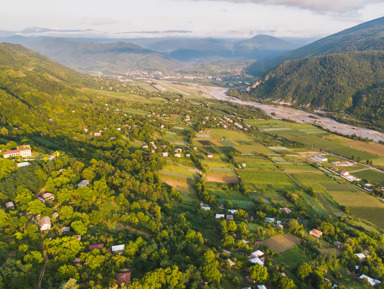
(368, 36)
(351, 83)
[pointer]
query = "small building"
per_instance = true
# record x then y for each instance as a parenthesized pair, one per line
(319, 158)
(45, 223)
(177, 155)
(123, 278)
(97, 134)
(77, 261)
(257, 254)
(23, 164)
(261, 287)
(230, 262)
(78, 237)
(48, 196)
(256, 261)
(227, 252)
(94, 247)
(83, 183)
(232, 211)
(219, 216)
(65, 229)
(9, 205)
(118, 249)
(286, 210)
(21, 151)
(178, 150)
(338, 244)
(165, 154)
(55, 215)
(316, 233)
(210, 156)
(206, 208)
(279, 226)
(361, 256)
(230, 217)
(188, 155)
(270, 220)
(370, 280)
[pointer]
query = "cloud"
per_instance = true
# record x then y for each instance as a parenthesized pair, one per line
(320, 6)
(100, 21)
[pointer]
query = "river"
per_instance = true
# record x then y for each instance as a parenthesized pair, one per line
(299, 116)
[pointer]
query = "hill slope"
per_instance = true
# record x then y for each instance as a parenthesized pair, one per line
(352, 83)
(109, 58)
(364, 37)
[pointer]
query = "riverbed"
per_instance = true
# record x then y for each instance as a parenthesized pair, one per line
(299, 116)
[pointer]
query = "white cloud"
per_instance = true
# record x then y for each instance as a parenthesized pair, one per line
(321, 6)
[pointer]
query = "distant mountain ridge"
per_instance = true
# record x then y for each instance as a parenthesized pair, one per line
(110, 58)
(367, 36)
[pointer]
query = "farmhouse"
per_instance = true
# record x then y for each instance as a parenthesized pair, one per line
(123, 278)
(97, 246)
(83, 183)
(316, 233)
(45, 223)
(10, 205)
(118, 249)
(21, 151)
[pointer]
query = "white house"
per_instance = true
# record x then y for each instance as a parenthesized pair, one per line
(256, 261)
(219, 216)
(257, 254)
(83, 183)
(361, 256)
(10, 205)
(206, 208)
(370, 280)
(232, 211)
(119, 249)
(21, 151)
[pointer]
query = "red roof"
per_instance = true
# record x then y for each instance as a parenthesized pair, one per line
(93, 247)
(11, 152)
(123, 278)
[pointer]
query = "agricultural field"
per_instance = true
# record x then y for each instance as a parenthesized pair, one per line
(362, 205)
(281, 243)
(258, 180)
(371, 176)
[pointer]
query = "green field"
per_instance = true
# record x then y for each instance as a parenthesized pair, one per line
(267, 180)
(371, 176)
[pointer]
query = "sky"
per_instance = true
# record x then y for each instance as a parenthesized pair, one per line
(193, 18)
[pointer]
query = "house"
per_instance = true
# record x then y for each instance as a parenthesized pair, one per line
(97, 134)
(178, 150)
(188, 155)
(21, 151)
(165, 154)
(244, 241)
(222, 207)
(230, 262)
(10, 205)
(270, 220)
(123, 278)
(246, 288)
(286, 210)
(316, 233)
(77, 261)
(209, 155)
(232, 211)
(118, 249)
(279, 226)
(345, 173)
(257, 254)
(361, 256)
(65, 229)
(230, 217)
(83, 183)
(256, 261)
(227, 252)
(55, 215)
(48, 196)
(206, 208)
(45, 223)
(261, 287)
(97, 246)
(219, 216)
(370, 280)
(177, 155)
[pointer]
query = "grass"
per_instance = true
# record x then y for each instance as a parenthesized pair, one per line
(229, 135)
(315, 181)
(254, 148)
(292, 258)
(340, 187)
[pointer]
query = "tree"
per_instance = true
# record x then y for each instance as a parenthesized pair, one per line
(71, 284)
(66, 272)
(258, 273)
(79, 227)
(286, 283)
(304, 270)
(36, 207)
